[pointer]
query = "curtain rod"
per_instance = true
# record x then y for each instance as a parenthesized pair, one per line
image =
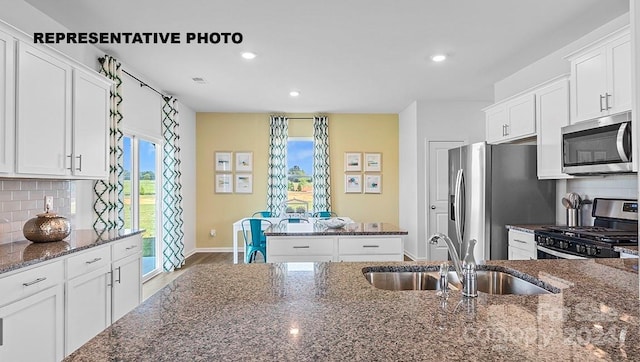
(142, 84)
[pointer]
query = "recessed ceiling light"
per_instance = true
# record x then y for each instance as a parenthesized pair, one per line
(438, 57)
(248, 55)
(294, 93)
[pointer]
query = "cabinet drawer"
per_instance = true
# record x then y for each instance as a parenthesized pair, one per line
(522, 240)
(125, 247)
(300, 246)
(30, 281)
(299, 258)
(368, 246)
(372, 257)
(88, 261)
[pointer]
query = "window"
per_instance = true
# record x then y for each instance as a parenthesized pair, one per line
(300, 171)
(141, 198)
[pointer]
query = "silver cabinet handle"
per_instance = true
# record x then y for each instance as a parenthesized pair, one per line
(79, 163)
(131, 247)
(520, 241)
(601, 107)
(70, 157)
(1, 330)
(370, 246)
(34, 281)
(301, 247)
(110, 279)
(119, 276)
(606, 100)
(433, 207)
(93, 261)
(503, 130)
(506, 129)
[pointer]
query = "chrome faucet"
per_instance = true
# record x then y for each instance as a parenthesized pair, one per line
(466, 270)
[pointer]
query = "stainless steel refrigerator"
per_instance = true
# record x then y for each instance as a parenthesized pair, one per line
(491, 186)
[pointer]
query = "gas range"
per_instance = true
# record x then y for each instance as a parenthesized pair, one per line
(616, 224)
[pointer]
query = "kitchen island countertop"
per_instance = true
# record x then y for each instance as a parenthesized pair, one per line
(328, 311)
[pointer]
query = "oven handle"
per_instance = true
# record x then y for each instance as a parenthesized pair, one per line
(620, 142)
(559, 254)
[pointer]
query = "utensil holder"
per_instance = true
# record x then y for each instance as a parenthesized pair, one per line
(573, 217)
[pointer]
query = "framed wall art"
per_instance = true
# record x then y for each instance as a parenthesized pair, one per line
(353, 184)
(223, 162)
(353, 161)
(224, 183)
(244, 161)
(244, 183)
(372, 162)
(372, 184)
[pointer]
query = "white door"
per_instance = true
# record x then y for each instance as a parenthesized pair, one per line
(43, 108)
(589, 83)
(619, 65)
(438, 170)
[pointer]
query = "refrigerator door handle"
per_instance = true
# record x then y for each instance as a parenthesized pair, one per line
(458, 199)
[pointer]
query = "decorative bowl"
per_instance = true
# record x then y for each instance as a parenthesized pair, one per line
(333, 223)
(46, 227)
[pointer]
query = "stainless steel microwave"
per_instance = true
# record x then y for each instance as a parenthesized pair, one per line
(598, 146)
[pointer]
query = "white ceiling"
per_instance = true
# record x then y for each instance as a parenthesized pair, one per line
(355, 56)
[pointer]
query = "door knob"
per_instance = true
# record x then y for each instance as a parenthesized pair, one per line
(433, 207)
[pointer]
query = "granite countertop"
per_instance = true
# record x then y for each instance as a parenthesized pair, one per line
(316, 229)
(24, 253)
(328, 311)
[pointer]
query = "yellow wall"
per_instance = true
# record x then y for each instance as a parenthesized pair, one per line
(238, 132)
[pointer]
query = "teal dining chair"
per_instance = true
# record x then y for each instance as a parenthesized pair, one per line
(254, 239)
(325, 214)
(262, 214)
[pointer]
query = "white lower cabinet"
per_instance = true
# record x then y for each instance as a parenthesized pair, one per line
(127, 276)
(32, 314)
(41, 306)
(88, 297)
(332, 248)
(370, 249)
(522, 245)
(300, 249)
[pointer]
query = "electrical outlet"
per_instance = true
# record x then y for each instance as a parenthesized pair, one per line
(48, 202)
(212, 232)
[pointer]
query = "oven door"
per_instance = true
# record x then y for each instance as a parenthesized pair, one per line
(546, 253)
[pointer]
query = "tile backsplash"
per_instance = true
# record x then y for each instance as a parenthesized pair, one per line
(20, 200)
(614, 186)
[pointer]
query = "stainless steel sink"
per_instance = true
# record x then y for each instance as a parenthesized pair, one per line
(489, 281)
(497, 282)
(403, 280)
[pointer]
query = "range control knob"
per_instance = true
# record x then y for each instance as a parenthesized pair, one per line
(581, 249)
(592, 250)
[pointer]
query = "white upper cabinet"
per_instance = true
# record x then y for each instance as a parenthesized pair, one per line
(61, 119)
(511, 119)
(90, 125)
(43, 123)
(7, 102)
(552, 113)
(601, 78)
